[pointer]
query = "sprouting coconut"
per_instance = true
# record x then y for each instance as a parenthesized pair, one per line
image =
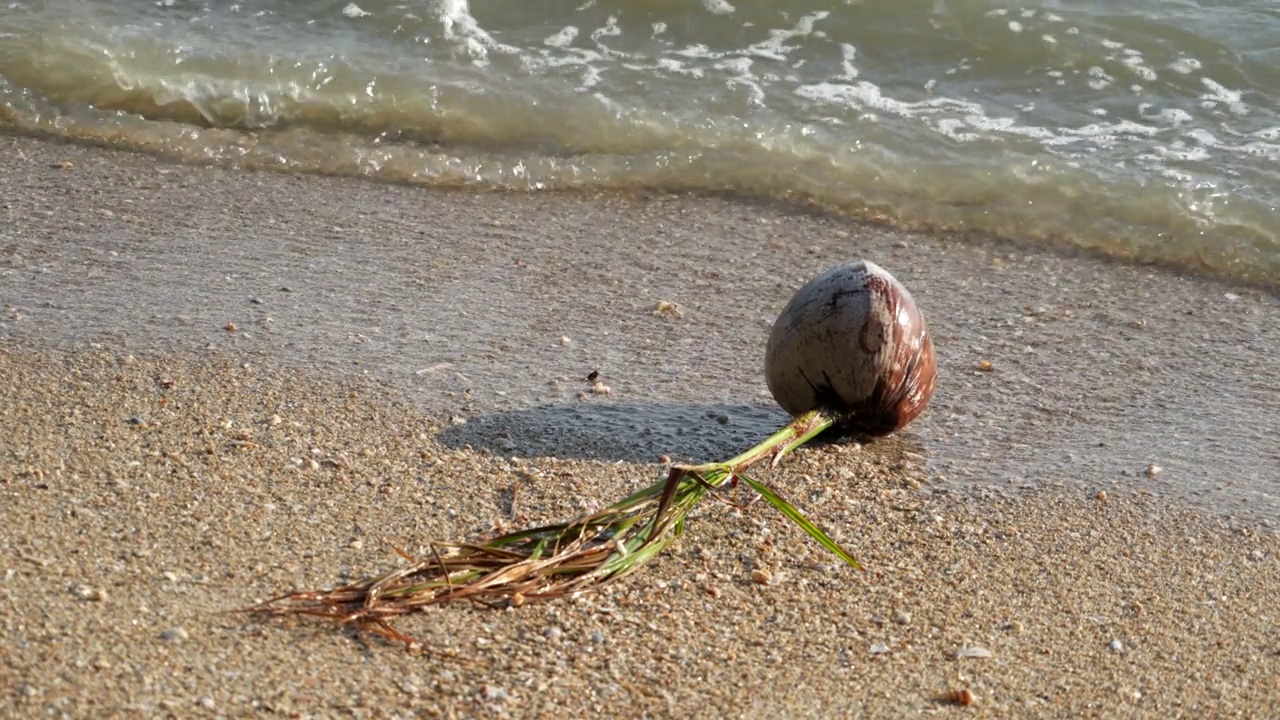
(852, 343)
(850, 351)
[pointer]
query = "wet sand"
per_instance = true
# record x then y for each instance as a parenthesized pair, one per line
(218, 386)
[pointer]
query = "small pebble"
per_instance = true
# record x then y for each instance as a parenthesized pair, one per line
(92, 594)
(174, 634)
(553, 633)
(762, 577)
(878, 649)
(902, 618)
(597, 637)
(973, 652)
(1152, 471)
(493, 693)
(206, 703)
(665, 308)
(1117, 646)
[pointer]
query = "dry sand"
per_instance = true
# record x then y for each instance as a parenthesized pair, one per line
(157, 468)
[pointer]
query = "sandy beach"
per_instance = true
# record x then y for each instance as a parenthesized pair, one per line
(217, 386)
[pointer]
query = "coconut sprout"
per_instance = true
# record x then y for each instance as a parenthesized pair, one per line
(850, 351)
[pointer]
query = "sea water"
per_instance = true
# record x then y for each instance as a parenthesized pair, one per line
(1144, 129)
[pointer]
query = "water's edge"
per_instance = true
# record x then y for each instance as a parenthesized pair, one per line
(1230, 276)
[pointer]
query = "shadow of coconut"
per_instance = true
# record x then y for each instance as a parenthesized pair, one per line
(635, 432)
(628, 431)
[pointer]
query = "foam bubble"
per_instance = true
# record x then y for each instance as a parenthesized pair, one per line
(848, 53)
(1098, 78)
(1133, 60)
(459, 25)
(1219, 94)
(562, 39)
(1174, 116)
(775, 48)
(1204, 137)
(609, 29)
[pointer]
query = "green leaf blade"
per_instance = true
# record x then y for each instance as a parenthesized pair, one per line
(798, 518)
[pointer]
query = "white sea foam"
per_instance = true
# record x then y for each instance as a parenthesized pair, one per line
(1204, 137)
(741, 76)
(1173, 116)
(1219, 94)
(563, 38)
(776, 48)
(1181, 152)
(1098, 78)
(609, 29)
(848, 54)
(354, 11)
(1136, 65)
(457, 24)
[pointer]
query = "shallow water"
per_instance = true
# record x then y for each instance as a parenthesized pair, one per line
(1151, 132)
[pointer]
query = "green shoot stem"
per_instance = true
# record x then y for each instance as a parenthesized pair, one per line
(564, 558)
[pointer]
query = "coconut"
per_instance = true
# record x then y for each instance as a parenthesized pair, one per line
(852, 342)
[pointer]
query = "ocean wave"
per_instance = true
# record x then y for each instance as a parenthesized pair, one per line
(1048, 125)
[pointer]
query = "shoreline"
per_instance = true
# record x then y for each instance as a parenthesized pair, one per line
(496, 306)
(175, 338)
(869, 219)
